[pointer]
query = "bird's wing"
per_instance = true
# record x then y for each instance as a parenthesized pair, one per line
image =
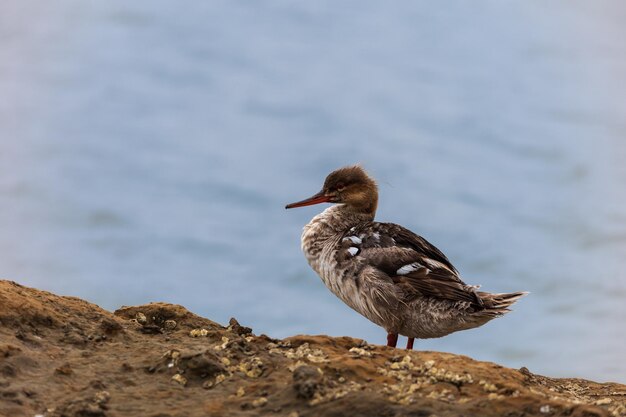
(417, 267)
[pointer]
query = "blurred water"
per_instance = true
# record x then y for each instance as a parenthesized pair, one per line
(147, 150)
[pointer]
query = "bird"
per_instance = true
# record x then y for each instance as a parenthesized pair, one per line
(392, 276)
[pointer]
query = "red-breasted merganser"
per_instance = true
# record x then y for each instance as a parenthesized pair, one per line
(385, 272)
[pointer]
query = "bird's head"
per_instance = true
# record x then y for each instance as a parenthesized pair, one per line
(351, 186)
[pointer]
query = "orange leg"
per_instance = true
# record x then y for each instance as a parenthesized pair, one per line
(392, 339)
(409, 343)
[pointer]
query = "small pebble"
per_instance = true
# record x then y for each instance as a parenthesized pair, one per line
(102, 397)
(218, 380)
(259, 402)
(356, 351)
(169, 325)
(141, 318)
(199, 333)
(180, 379)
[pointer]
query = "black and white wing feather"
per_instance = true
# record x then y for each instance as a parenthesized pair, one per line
(417, 267)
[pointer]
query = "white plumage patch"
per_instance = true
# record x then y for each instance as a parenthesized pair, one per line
(354, 239)
(353, 251)
(407, 269)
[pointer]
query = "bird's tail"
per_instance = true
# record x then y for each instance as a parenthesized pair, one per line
(499, 304)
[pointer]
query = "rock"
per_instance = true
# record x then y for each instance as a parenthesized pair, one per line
(151, 329)
(234, 326)
(306, 381)
(91, 406)
(65, 370)
(169, 325)
(110, 327)
(141, 318)
(259, 402)
(62, 356)
(179, 379)
(199, 333)
(200, 365)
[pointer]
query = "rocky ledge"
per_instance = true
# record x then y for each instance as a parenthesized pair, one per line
(62, 356)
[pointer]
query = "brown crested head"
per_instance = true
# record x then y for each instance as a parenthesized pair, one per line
(351, 186)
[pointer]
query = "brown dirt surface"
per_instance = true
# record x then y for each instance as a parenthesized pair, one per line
(64, 357)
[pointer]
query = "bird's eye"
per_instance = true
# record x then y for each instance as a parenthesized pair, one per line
(340, 187)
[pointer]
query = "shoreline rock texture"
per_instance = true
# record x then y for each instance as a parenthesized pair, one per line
(65, 357)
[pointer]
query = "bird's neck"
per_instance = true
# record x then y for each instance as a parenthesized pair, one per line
(339, 218)
(330, 225)
(364, 202)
